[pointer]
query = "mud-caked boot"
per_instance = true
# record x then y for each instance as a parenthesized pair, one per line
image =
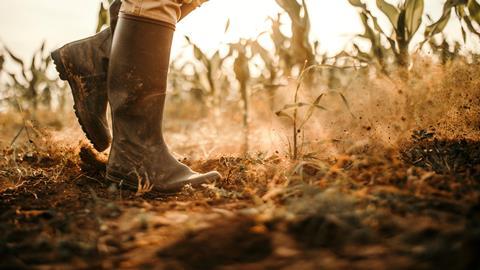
(84, 64)
(137, 87)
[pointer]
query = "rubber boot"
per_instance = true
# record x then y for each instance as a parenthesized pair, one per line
(84, 64)
(137, 88)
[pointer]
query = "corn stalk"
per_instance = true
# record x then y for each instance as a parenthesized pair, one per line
(292, 113)
(443, 51)
(208, 74)
(300, 48)
(242, 74)
(405, 20)
(289, 52)
(293, 117)
(278, 62)
(270, 79)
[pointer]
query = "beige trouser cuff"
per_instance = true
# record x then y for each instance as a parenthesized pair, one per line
(169, 11)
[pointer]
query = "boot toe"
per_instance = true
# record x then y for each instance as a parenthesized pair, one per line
(195, 180)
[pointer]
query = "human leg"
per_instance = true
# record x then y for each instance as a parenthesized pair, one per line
(84, 64)
(137, 79)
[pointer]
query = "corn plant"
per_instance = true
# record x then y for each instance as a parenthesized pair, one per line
(443, 51)
(103, 16)
(207, 75)
(292, 113)
(300, 48)
(466, 11)
(293, 118)
(242, 74)
(277, 63)
(32, 86)
(289, 52)
(270, 78)
(405, 20)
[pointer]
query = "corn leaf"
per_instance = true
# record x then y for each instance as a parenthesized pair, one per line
(392, 12)
(102, 18)
(295, 105)
(314, 105)
(470, 26)
(284, 114)
(227, 26)
(357, 3)
(439, 25)
(345, 102)
(292, 8)
(198, 53)
(241, 68)
(464, 34)
(413, 16)
(2, 60)
(474, 9)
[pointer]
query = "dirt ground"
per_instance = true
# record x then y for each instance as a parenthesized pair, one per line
(395, 187)
(413, 208)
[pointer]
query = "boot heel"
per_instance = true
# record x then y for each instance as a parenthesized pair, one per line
(57, 60)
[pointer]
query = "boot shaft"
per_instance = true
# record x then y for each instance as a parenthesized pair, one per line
(137, 87)
(139, 64)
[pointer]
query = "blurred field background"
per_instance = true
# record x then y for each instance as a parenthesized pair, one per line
(247, 70)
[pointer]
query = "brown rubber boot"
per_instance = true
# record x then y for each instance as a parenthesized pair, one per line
(137, 87)
(84, 64)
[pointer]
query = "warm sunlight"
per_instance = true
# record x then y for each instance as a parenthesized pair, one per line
(334, 23)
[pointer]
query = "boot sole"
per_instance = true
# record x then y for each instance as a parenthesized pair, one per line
(66, 75)
(121, 182)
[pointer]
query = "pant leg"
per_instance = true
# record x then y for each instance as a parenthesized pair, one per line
(169, 11)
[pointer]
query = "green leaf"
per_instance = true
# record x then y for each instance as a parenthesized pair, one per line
(318, 99)
(470, 26)
(198, 53)
(313, 106)
(357, 3)
(345, 102)
(284, 114)
(413, 16)
(474, 9)
(293, 9)
(227, 26)
(294, 105)
(102, 18)
(464, 35)
(392, 12)
(439, 25)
